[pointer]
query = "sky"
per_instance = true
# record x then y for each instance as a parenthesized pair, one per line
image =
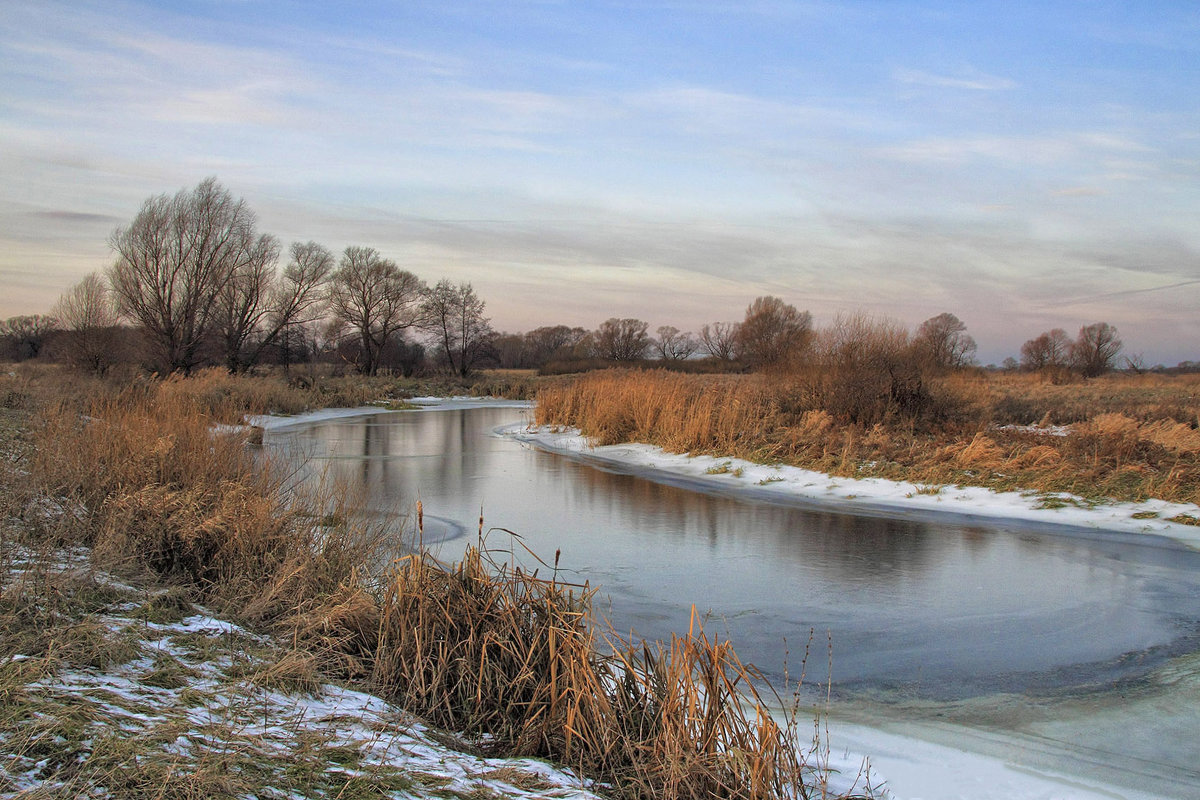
(1022, 165)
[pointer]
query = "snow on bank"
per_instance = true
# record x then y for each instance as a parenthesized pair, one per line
(959, 764)
(271, 422)
(797, 486)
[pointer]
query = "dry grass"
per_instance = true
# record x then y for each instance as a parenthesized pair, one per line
(491, 649)
(1134, 437)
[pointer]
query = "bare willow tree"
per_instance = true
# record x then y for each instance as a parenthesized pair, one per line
(26, 335)
(622, 339)
(720, 340)
(1048, 350)
(553, 341)
(944, 342)
(260, 307)
(1096, 349)
(244, 303)
(671, 344)
(89, 323)
(375, 299)
(773, 331)
(453, 317)
(300, 293)
(173, 262)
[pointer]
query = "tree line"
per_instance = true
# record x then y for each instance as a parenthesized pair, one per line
(194, 283)
(201, 286)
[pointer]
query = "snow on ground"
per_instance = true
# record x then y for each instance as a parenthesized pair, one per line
(199, 691)
(922, 763)
(793, 485)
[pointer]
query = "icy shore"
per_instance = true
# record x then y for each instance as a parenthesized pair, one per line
(796, 486)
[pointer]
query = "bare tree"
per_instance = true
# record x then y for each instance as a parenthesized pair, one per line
(622, 339)
(553, 341)
(773, 331)
(720, 340)
(174, 260)
(673, 345)
(1096, 349)
(297, 296)
(26, 335)
(374, 299)
(89, 321)
(511, 350)
(944, 342)
(453, 317)
(244, 303)
(1048, 350)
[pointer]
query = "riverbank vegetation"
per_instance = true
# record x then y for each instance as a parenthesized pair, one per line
(133, 480)
(1127, 437)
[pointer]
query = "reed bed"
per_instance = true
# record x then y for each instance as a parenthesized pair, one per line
(511, 656)
(500, 652)
(1132, 437)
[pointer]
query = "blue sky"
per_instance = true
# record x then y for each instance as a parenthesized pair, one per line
(1022, 165)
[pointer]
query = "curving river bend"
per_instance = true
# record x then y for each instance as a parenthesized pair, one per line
(1082, 648)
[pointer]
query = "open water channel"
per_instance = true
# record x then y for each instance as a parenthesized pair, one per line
(1083, 648)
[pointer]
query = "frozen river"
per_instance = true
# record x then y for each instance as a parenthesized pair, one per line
(1077, 653)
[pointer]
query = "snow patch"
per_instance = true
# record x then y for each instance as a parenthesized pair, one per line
(787, 484)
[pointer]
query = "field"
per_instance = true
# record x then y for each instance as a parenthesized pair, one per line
(1120, 437)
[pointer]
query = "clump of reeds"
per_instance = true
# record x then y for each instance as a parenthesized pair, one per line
(491, 649)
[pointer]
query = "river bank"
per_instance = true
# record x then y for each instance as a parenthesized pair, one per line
(781, 483)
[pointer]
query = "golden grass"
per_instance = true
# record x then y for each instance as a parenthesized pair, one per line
(487, 648)
(1133, 437)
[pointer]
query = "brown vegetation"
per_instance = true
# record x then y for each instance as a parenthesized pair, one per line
(1132, 437)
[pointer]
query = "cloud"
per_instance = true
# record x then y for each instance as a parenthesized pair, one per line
(973, 82)
(1079, 191)
(1010, 149)
(74, 217)
(1023, 150)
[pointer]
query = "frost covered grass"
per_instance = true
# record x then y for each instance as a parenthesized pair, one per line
(152, 695)
(98, 700)
(1130, 438)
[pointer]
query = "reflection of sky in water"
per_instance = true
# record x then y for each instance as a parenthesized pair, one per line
(927, 610)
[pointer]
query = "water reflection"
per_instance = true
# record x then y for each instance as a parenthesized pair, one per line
(914, 608)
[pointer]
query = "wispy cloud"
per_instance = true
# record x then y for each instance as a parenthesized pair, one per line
(1079, 191)
(1011, 149)
(972, 81)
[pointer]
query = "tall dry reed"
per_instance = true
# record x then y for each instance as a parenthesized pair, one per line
(1133, 439)
(494, 650)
